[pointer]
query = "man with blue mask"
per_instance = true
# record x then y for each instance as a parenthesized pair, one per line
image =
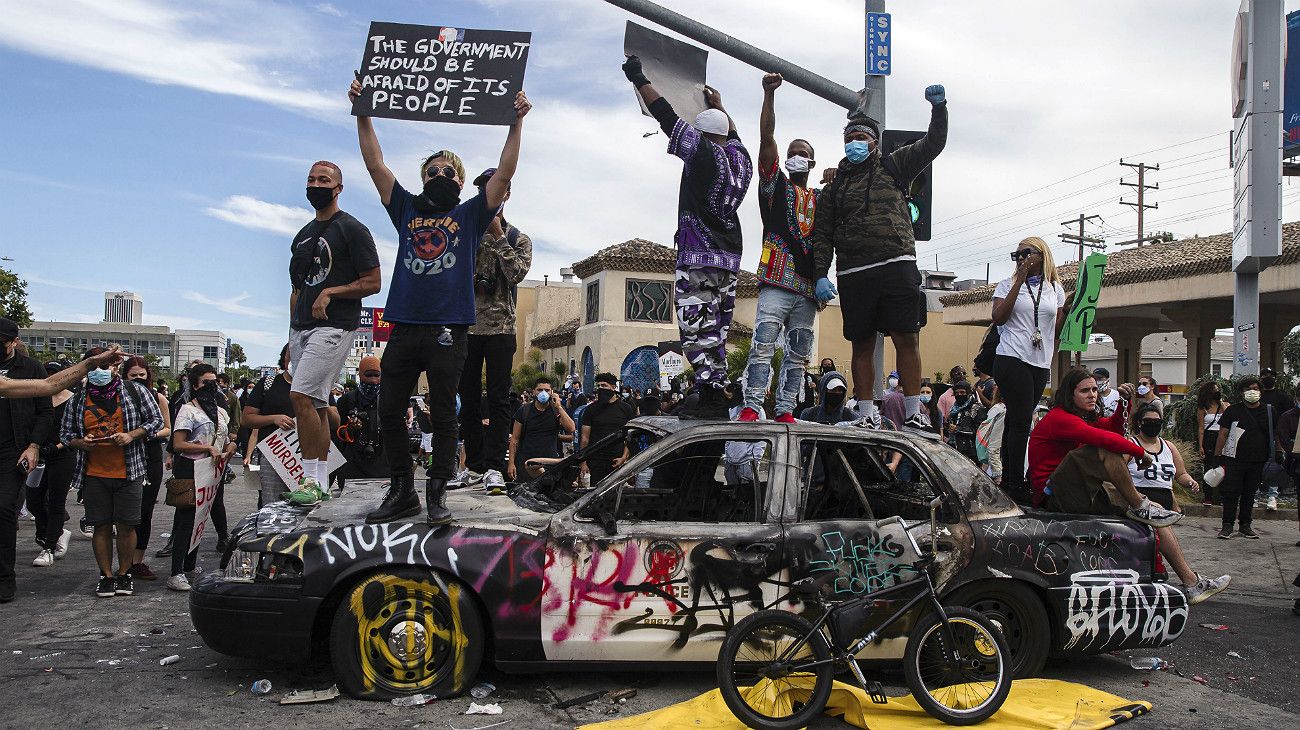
(358, 436)
(864, 224)
(536, 430)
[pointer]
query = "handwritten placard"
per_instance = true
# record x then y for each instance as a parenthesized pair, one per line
(1083, 313)
(441, 74)
(280, 450)
(208, 473)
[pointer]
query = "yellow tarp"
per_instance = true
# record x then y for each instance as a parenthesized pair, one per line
(1032, 703)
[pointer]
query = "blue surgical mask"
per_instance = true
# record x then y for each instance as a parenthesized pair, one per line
(857, 151)
(99, 377)
(924, 398)
(544, 397)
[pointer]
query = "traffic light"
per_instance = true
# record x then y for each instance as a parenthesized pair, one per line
(920, 193)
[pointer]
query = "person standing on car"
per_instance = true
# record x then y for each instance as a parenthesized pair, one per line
(1243, 446)
(268, 408)
(201, 430)
(863, 223)
(109, 423)
(536, 430)
(504, 257)
(334, 265)
(25, 424)
(138, 370)
(1029, 310)
(1209, 411)
(607, 415)
(358, 437)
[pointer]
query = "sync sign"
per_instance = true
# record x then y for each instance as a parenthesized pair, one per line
(880, 31)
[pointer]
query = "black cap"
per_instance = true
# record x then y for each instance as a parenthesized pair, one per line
(8, 329)
(1101, 372)
(484, 176)
(1265, 371)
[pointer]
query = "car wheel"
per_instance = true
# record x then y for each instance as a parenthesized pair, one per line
(404, 632)
(1020, 613)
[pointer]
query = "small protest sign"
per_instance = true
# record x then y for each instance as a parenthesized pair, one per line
(280, 451)
(675, 69)
(440, 74)
(207, 479)
(1087, 293)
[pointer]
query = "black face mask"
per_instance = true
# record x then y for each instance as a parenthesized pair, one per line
(604, 396)
(320, 198)
(441, 194)
(207, 396)
(834, 400)
(1268, 381)
(1150, 427)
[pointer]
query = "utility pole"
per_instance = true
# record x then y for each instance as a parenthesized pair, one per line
(1140, 205)
(1083, 241)
(874, 102)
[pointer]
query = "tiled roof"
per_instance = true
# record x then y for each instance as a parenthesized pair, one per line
(1157, 262)
(641, 255)
(558, 337)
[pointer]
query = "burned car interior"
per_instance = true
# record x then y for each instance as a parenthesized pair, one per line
(860, 481)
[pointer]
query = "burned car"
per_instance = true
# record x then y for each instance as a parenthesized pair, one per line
(705, 523)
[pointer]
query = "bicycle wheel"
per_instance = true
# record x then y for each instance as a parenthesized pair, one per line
(965, 691)
(764, 688)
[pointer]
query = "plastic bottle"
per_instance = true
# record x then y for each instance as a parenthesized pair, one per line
(169, 660)
(1148, 662)
(482, 689)
(414, 700)
(261, 687)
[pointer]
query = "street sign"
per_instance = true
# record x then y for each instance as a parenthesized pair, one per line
(1257, 138)
(880, 32)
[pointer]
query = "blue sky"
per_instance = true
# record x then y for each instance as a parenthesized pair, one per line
(162, 147)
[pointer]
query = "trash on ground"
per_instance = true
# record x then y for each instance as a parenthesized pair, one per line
(1215, 627)
(482, 689)
(480, 727)
(1235, 654)
(1148, 662)
(169, 660)
(613, 695)
(1233, 677)
(414, 700)
(303, 696)
(155, 630)
(620, 695)
(1199, 678)
(477, 709)
(261, 687)
(232, 692)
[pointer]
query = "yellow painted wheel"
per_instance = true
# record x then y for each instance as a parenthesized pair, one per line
(405, 632)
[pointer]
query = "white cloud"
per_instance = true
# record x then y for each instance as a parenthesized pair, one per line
(171, 44)
(328, 9)
(258, 338)
(259, 215)
(175, 321)
(31, 278)
(234, 305)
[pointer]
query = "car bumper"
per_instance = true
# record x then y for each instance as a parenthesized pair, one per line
(253, 619)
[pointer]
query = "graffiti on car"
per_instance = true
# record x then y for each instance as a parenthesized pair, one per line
(1110, 607)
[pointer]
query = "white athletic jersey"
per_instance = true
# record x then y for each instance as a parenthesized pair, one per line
(1160, 475)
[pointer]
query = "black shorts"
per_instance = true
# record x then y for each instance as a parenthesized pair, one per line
(1162, 497)
(885, 299)
(112, 501)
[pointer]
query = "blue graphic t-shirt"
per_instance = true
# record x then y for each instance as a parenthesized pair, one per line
(433, 281)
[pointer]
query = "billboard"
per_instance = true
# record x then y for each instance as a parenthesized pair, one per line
(372, 321)
(1291, 89)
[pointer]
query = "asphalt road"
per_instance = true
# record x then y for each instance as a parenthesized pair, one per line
(74, 658)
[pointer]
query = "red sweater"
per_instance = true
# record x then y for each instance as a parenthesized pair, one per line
(1060, 432)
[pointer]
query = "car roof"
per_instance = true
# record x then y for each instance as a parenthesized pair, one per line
(672, 424)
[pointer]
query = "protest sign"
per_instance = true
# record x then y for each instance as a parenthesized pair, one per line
(1087, 292)
(280, 451)
(207, 479)
(439, 74)
(675, 69)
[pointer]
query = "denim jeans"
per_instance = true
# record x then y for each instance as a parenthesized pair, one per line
(785, 317)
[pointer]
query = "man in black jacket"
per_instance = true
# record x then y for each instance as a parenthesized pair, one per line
(25, 424)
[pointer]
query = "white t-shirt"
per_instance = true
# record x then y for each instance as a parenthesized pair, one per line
(201, 429)
(1109, 403)
(1018, 332)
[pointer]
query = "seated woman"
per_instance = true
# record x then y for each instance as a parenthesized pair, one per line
(1077, 464)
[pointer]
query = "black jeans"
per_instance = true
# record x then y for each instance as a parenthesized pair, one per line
(599, 468)
(47, 501)
(1021, 386)
(12, 485)
(412, 350)
(182, 528)
(485, 451)
(1241, 481)
(153, 474)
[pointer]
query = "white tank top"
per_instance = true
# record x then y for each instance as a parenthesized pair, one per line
(1212, 421)
(1160, 475)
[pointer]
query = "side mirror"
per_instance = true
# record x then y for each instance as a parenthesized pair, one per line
(608, 522)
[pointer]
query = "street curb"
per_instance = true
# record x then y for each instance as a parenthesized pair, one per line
(1200, 510)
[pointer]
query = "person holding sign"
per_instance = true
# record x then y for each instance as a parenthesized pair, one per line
(1029, 310)
(715, 177)
(202, 430)
(430, 303)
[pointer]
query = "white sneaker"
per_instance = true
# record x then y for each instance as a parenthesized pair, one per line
(1271, 505)
(460, 480)
(178, 583)
(1206, 587)
(61, 547)
(473, 478)
(492, 480)
(44, 559)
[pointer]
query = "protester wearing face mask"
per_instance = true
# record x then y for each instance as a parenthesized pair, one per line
(1243, 446)
(536, 430)
(430, 304)
(608, 414)
(1147, 394)
(1287, 427)
(108, 422)
(1157, 480)
(947, 398)
(334, 265)
(357, 436)
(931, 406)
(893, 405)
(832, 390)
(963, 420)
(715, 176)
(863, 222)
(138, 371)
(267, 408)
(1107, 397)
(787, 304)
(1271, 395)
(1209, 411)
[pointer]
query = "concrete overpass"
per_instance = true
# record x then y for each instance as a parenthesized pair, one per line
(1181, 286)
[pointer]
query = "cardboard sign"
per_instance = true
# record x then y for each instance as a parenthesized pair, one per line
(439, 74)
(280, 451)
(1083, 313)
(207, 480)
(675, 69)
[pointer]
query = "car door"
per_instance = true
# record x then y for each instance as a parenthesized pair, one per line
(658, 572)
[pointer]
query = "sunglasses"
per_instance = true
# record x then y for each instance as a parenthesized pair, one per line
(370, 374)
(1023, 253)
(445, 171)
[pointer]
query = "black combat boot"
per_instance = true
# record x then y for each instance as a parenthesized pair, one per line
(711, 406)
(401, 501)
(435, 501)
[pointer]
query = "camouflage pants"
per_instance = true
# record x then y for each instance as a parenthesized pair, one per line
(705, 299)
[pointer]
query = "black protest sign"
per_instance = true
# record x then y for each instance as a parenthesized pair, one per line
(675, 68)
(439, 74)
